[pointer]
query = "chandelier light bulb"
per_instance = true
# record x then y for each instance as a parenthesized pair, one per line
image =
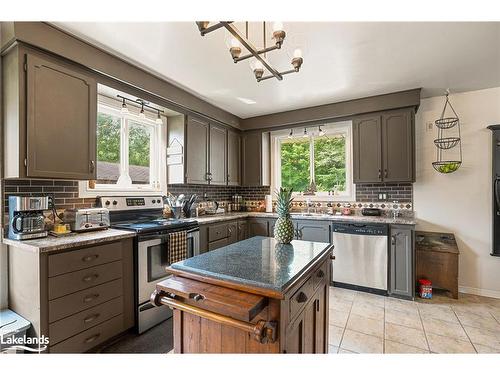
(277, 26)
(235, 42)
(297, 53)
(258, 65)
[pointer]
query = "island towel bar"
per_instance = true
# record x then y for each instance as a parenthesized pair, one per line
(263, 331)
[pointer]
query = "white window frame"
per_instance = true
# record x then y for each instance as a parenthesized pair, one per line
(330, 129)
(158, 179)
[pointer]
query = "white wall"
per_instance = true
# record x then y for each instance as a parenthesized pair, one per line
(461, 202)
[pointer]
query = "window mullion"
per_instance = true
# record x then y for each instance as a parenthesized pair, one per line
(311, 159)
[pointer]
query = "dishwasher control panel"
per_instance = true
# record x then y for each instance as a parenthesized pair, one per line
(362, 229)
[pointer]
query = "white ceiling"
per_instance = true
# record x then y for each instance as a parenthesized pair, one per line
(341, 60)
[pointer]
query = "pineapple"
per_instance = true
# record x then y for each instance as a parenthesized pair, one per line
(283, 229)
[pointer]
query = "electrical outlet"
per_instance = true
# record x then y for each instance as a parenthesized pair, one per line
(429, 126)
(382, 196)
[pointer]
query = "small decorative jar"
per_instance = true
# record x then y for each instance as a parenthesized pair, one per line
(425, 290)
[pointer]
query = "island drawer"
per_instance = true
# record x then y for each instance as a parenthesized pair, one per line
(301, 297)
(84, 258)
(70, 326)
(62, 307)
(217, 232)
(88, 339)
(83, 279)
(217, 299)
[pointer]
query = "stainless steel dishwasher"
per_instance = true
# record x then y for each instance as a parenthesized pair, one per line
(361, 256)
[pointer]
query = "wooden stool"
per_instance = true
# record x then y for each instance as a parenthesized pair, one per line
(437, 260)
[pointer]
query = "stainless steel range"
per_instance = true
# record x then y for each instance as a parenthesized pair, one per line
(143, 215)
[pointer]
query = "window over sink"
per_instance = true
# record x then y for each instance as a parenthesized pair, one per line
(131, 151)
(316, 161)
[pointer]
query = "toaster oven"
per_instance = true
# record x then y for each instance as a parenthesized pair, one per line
(87, 219)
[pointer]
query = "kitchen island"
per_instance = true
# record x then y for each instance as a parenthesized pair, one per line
(254, 296)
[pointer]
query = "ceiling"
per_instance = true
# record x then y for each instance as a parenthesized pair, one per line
(342, 60)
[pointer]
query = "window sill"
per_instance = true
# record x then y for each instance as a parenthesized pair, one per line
(323, 198)
(85, 192)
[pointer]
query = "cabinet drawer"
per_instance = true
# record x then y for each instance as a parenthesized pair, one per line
(83, 279)
(301, 297)
(216, 232)
(62, 307)
(320, 275)
(91, 337)
(83, 320)
(84, 258)
(216, 244)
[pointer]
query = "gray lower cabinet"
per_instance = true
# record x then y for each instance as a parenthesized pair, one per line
(258, 227)
(312, 230)
(402, 261)
(242, 230)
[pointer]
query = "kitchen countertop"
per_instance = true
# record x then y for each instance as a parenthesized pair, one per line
(51, 243)
(209, 219)
(256, 262)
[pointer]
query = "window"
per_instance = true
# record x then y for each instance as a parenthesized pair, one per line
(129, 153)
(304, 159)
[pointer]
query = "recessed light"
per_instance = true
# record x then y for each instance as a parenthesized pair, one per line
(246, 101)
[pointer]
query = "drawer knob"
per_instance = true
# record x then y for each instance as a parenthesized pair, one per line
(90, 297)
(89, 278)
(301, 298)
(197, 297)
(92, 338)
(89, 258)
(91, 318)
(320, 273)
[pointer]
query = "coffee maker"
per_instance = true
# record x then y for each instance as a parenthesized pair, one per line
(26, 220)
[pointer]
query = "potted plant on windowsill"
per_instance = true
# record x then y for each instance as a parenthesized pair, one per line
(283, 229)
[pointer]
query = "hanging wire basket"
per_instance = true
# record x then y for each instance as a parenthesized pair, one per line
(446, 166)
(446, 143)
(447, 122)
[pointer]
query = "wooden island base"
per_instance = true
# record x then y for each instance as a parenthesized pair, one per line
(218, 316)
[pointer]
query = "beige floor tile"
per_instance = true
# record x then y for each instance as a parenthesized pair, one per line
(371, 299)
(406, 335)
(346, 294)
(335, 335)
(345, 351)
(477, 309)
(340, 304)
(443, 328)
(366, 325)
(443, 344)
(441, 312)
(338, 318)
(481, 349)
(483, 337)
(400, 304)
(367, 310)
(403, 318)
(332, 349)
(361, 343)
(398, 348)
(478, 321)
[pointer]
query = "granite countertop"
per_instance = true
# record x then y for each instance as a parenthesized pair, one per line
(51, 243)
(256, 262)
(209, 219)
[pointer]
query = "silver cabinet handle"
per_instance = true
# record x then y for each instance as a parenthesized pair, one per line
(92, 166)
(91, 318)
(385, 173)
(92, 338)
(90, 297)
(89, 278)
(88, 258)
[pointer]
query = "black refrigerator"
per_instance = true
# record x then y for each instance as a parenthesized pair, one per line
(495, 176)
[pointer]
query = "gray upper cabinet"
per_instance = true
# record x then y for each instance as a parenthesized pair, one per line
(367, 149)
(252, 156)
(50, 118)
(383, 147)
(217, 152)
(397, 146)
(197, 134)
(233, 158)
(402, 262)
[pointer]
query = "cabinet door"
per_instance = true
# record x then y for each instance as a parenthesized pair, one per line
(321, 320)
(232, 230)
(311, 230)
(196, 151)
(258, 227)
(294, 342)
(272, 224)
(61, 121)
(242, 230)
(233, 158)
(367, 149)
(397, 146)
(252, 159)
(218, 149)
(402, 262)
(204, 238)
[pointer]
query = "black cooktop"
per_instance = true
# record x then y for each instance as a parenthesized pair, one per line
(156, 225)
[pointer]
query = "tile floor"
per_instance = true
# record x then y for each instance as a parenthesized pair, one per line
(367, 323)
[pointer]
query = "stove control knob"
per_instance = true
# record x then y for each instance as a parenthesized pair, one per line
(107, 203)
(153, 201)
(101, 224)
(115, 203)
(158, 201)
(87, 225)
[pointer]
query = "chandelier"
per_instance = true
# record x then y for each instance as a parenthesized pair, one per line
(260, 64)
